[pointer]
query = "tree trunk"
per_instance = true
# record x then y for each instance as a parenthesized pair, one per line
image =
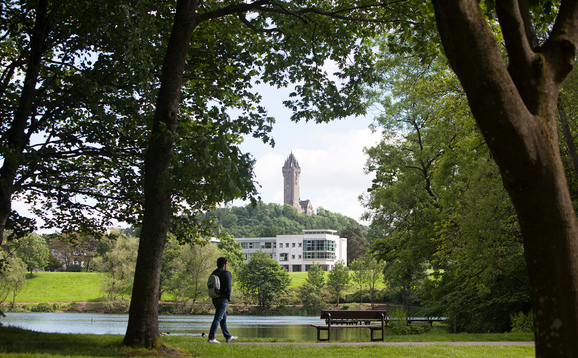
(16, 138)
(515, 110)
(142, 327)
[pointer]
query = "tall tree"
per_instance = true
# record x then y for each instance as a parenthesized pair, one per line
(338, 279)
(12, 277)
(278, 43)
(61, 61)
(514, 104)
(33, 251)
(357, 244)
(118, 264)
(437, 202)
(264, 277)
(310, 293)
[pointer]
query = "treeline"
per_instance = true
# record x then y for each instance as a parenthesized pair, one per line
(269, 220)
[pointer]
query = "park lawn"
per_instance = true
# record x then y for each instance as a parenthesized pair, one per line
(62, 287)
(299, 278)
(16, 342)
(86, 286)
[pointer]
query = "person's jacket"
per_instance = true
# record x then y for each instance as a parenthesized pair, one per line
(226, 284)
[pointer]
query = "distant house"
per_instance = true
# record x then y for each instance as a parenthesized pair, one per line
(296, 253)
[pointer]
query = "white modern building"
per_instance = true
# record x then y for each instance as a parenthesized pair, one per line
(297, 253)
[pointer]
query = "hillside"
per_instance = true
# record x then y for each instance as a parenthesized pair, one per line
(267, 220)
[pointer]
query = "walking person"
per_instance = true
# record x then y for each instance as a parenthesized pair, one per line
(222, 302)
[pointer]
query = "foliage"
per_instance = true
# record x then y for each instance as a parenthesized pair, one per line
(171, 264)
(567, 119)
(338, 280)
(190, 281)
(398, 324)
(32, 250)
(269, 220)
(73, 249)
(311, 292)
(357, 245)
(232, 251)
(367, 272)
(118, 264)
(360, 275)
(12, 277)
(522, 322)
(438, 203)
(262, 276)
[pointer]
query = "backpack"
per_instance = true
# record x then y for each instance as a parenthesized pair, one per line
(214, 286)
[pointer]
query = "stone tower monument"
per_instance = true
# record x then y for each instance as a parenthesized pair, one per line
(291, 172)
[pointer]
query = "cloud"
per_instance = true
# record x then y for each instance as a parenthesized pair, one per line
(332, 164)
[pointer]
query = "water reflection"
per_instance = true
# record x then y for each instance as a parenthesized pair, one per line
(291, 327)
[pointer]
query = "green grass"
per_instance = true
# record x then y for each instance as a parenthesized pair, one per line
(85, 286)
(25, 344)
(299, 278)
(62, 287)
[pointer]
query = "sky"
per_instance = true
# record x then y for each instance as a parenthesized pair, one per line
(330, 155)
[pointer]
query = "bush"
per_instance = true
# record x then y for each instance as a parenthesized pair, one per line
(74, 268)
(43, 307)
(522, 322)
(398, 324)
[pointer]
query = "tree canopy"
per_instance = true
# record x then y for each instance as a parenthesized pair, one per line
(269, 220)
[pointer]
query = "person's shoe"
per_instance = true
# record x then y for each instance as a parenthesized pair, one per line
(214, 341)
(231, 339)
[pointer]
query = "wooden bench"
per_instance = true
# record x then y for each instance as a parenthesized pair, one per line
(352, 319)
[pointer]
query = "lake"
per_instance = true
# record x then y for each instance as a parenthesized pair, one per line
(292, 327)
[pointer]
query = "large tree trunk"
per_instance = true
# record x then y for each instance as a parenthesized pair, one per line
(142, 327)
(16, 137)
(515, 110)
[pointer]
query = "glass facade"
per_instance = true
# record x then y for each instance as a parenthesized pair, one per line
(319, 249)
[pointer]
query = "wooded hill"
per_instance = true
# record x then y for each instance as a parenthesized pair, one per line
(268, 220)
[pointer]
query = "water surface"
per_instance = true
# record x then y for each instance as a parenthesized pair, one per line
(291, 327)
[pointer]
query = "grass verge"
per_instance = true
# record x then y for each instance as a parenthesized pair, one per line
(62, 287)
(20, 343)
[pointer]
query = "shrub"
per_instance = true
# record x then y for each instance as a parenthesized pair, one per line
(522, 322)
(43, 307)
(74, 268)
(398, 324)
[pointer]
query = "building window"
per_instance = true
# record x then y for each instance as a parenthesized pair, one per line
(286, 244)
(296, 268)
(283, 257)
(299, 256)
(300, 244)
(244, 245)
(268, 245)
(292, 257)
(293, 245)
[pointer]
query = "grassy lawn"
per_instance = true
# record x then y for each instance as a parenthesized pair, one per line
(85, 286)
(62, 287)
(299, 278)
(19, 343)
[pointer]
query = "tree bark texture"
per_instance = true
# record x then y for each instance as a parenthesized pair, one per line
(142, 327)
(515, 110)
(16, 137)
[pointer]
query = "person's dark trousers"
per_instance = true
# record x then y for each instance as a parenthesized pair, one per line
(220, 304)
